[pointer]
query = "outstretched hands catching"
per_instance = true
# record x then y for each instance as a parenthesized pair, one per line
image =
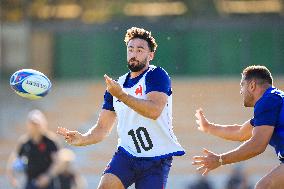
(71, 137)
(203, 123)
(207, 162)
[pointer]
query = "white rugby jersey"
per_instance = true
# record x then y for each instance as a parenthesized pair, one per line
(141, 136)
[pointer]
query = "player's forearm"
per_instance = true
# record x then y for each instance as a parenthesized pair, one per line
(146, 108)
(93, 136)
(228, 132)
(247, 150)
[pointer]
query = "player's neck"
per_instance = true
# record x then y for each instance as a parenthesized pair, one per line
(36, 138)
(259, 93)
(136, 74)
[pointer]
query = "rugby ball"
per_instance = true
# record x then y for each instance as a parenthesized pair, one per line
(30, 84)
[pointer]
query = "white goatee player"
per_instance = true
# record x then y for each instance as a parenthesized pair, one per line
(140, 136)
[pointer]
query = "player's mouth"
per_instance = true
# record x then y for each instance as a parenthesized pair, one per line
(134, 61)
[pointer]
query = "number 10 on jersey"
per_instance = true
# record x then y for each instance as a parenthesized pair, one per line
(137, 134)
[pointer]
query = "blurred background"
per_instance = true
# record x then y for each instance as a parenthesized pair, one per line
(203, 45)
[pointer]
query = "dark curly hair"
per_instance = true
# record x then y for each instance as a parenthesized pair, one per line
(260, 73)
(141, 33)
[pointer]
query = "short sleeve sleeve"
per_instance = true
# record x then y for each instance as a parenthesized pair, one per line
(266, 111)
(20, 151)
(23, 145)
(108, 102)
(158, 80)
(252, 121)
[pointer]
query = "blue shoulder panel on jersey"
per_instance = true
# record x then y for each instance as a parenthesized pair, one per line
(158, 79)
(267, 109)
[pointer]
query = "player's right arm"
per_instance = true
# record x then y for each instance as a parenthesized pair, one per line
(230, 132)
(96, 134)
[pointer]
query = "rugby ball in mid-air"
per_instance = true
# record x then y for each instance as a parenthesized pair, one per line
(29, 83)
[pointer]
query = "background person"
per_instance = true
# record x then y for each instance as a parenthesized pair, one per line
(35, 154)
(67, 177)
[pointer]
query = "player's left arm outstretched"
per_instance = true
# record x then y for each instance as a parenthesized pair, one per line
(96, 134)
(255, 145)
(234, 132)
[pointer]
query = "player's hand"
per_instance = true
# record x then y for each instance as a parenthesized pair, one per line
(203, 123)
(207, 162)
(113, 87)
(71, 137)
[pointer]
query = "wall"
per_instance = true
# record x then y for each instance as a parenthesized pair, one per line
(205, 48)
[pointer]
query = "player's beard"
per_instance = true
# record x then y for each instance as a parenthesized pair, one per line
(138, 66)
(248, 99)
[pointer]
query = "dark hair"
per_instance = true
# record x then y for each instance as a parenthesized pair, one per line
(260, 73)
(141, 33)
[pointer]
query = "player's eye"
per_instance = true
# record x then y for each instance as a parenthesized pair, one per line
(140, 50)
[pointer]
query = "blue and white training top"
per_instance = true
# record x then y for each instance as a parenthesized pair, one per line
(269, 110)
(140, 136)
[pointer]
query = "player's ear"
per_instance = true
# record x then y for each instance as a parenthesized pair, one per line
(151, 56)
(252, 85)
